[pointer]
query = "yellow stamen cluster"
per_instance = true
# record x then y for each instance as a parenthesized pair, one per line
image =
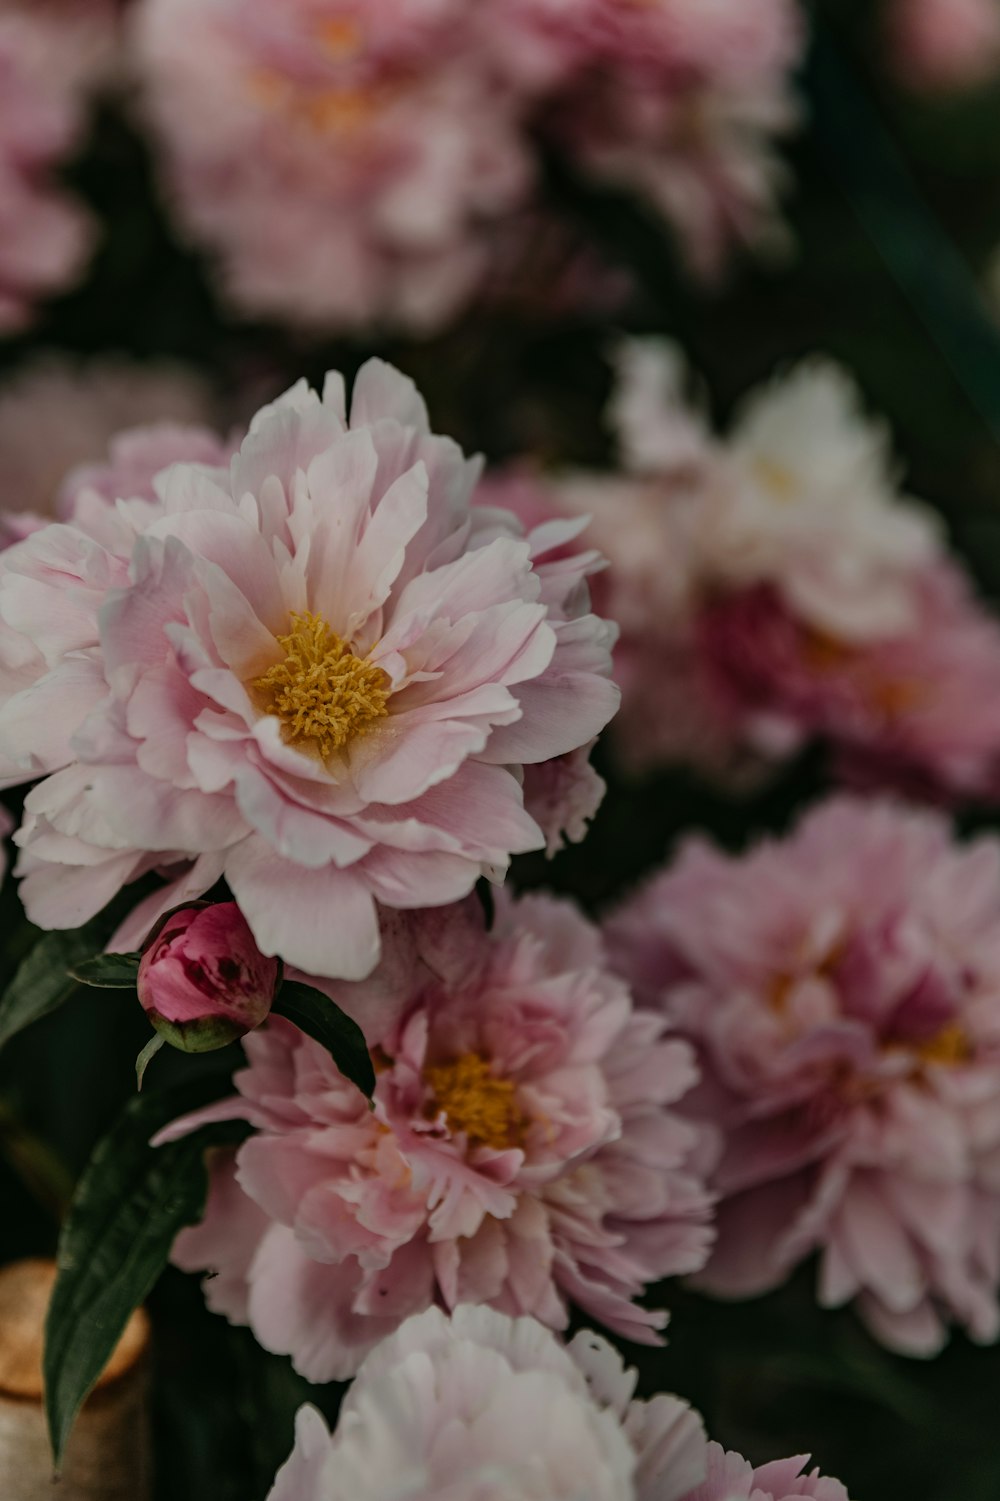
(321, 691)
(949, 1046)
(475, 1101)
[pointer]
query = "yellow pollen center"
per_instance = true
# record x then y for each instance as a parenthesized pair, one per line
(339, 37)
(780, 483)
(949, 1046)
(476, 1102)
(322, 692)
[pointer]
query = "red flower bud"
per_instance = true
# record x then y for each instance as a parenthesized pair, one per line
(202, 979)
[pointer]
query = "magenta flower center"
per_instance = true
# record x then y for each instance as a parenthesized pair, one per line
(475, 1101)
(323, 694)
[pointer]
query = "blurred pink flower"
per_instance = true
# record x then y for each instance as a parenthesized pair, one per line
(45, 234)
(58, 418)
(842, 986)
(919, 711)
(345, 163)
(942, 45)
(524, 1149)
(317, 673)
(479, 1404)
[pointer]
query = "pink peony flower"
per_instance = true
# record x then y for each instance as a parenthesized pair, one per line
(523, 1150)
(202, 980)
(345, 163)
(483, 1405)
(58, 418)
(843, 989)
(317, 673)
(919, 711)
(45, 235)
(943, 44)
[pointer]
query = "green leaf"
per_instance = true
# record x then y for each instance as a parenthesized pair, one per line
(43, 980)
(108, 971)
(315, 1013)
(129, 1205)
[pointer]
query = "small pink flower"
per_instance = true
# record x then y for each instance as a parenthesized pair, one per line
(316, 671)
(841, 986)
(202, 980)
(524, 1148)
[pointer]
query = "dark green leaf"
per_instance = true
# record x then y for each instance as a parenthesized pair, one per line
(43, 980)
(108, 971)
(315, 1013)
(129, 1205)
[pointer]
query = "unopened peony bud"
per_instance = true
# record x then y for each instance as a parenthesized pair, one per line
(202, 979)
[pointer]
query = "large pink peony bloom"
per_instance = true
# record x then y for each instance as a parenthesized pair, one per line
(843, 989)
(58, 418)
(45, 235)
(317, 673)
(345, 162)
(523, 1151)
(481, 1405)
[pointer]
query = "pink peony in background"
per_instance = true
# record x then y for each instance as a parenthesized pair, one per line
(842, 987)
(46, 63)
(525, 1149)
(352, 165)
(480, 1404)
(943, 45)
(775, 587)
(59, 417)
(345, 163)
(316, 672)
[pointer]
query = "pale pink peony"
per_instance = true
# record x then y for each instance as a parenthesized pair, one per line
(524, 1148)
(58, 418)
(344, 163)
(943, 45)
(843, 988)
(483, 1405)
(317, 673)
(45, 235)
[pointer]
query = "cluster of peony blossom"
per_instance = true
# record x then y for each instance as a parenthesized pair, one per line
(321, 665)
(358, 161)
(777, 589)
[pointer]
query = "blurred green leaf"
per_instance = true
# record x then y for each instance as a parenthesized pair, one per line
(107, 971)
(43, 981)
